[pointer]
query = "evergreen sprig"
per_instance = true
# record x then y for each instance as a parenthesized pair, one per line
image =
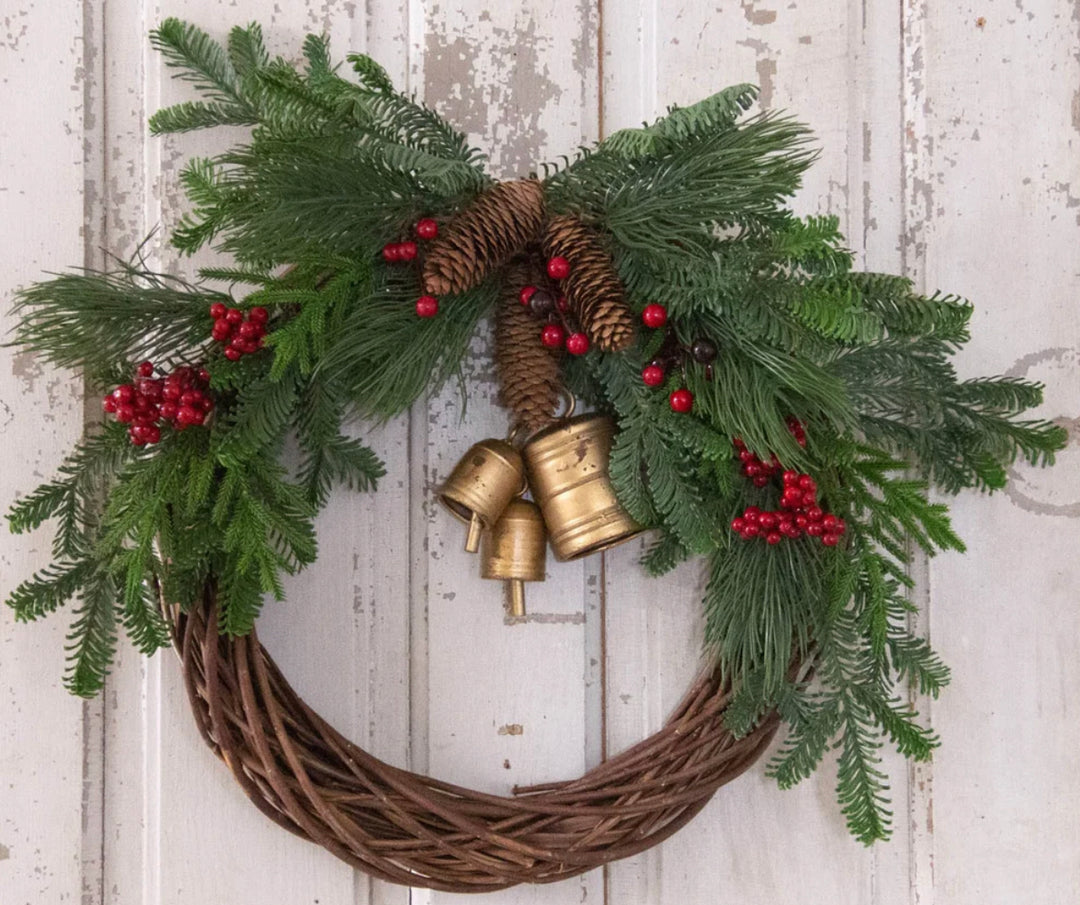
(694, 211)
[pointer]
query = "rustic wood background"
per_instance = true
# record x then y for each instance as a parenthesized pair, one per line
(949, 135)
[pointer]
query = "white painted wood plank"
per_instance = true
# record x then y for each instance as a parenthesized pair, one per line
(49, 741)
(832, 66)
(506, 703)
(1000, 194)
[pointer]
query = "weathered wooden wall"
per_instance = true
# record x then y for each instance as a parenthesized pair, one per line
(949, 135)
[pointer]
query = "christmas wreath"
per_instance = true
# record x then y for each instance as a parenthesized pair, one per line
(753, 400)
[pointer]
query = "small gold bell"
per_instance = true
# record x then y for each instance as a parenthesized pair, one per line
(515, 550)
(567, 465)
(481, 485)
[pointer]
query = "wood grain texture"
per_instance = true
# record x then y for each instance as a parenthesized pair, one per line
(949, 140)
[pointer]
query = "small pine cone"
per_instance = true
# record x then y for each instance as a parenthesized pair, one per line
(592, 288)
(484, 236)
(530, 382)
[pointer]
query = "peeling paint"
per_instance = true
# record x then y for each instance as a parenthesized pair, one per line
(546, 619)
(757, 16)
(511, 729)
(766, 78)
(5, 853)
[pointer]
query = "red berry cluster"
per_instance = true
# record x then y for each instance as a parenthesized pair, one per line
(407, 251)
(556, 334)
(242, 333)
(179, 400)
(799, 511)
(681, 400)
(758, 471)
(791, 522)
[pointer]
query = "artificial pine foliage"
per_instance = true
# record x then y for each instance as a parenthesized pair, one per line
(346, 202)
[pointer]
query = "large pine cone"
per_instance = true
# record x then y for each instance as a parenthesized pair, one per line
(530, 381)
(593, 289)
(494, 228)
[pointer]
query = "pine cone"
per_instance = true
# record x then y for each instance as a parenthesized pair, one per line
(592, 288)
(486, 235)
(530, 381)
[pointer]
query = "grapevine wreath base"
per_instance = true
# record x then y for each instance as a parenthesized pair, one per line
(411, 829)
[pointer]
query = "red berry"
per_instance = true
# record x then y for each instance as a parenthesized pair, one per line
(829, 522)
(150, 388)
(391, 252)
(791, 500)
(762, 480)
(250, 330)
(169, 410)
(125, 413)
(172, 392)
(830, 539)
(654, 316)
(681, 400)
(427, 306)
(258, 315)
(807, 483)
(577, 344)
(217, 310)
(751, 531)
(789, 530)
(152, 434)
(233, 354)
(247, 346)
(790, 477)
(204, 375)
(207, 404)
(767, 520)
(234, 316)
(190, 397)
(752, 469)
(738, 525)
(561, 303)
(222, 331)
(146, 369)
(773, 537)
(801, 521)
(124, 393)
(814, 529)
(841, 525)
(558, 268)
(552, 336)
(427, 228)
(814, 513)
(109, 404)
(526, 294)
(738, 443)
(652, 376)
(407, 251)
(186, 415)
(809, 498)
(751, 513)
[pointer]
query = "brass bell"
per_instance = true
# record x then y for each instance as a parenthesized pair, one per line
(515, 550)
(567, 465)
(481, 485)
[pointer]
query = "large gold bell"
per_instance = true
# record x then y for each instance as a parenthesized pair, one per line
(567, 465)
(515, 550)
(481, 485)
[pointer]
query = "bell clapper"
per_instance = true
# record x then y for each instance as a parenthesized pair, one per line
(476, 528)
(517, 597)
